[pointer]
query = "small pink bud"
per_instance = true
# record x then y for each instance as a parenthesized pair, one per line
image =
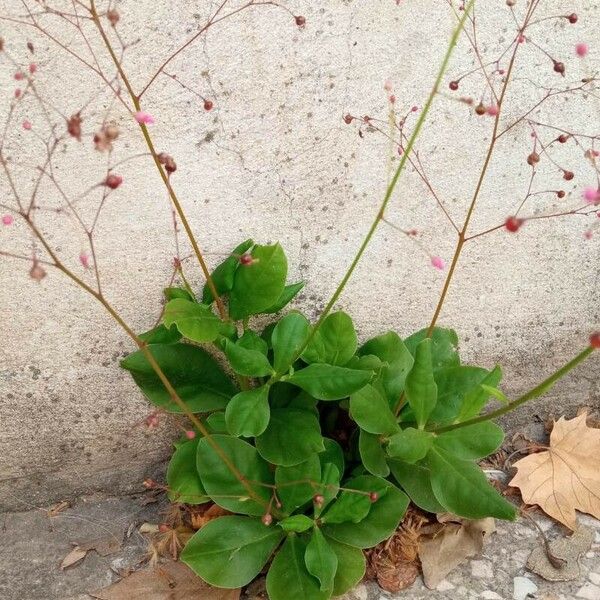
(32, 68)
(319, 500)
(568, 175)
(7, 220)
(26, 125)
(37, 272)
(387, 86)
(144, 118)
(17, 93)
(595, 340)
(453, 85)
(573, 18)
(581, 50)
(393, 98)
(267, 519)
(414, 109)
(493, 110)
(190, 435)
(84, 259)
(300, 21)
(591, 195)
(19, 76)
(521, 39)
(588, 235)
(373, 496)
(348, 119)
(208, 105)
(438, 263)
(246, 259)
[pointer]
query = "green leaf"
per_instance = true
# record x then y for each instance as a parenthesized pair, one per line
(250, 363)
(421, 389)
(372, 412)
(292, 436)
(461, 487)
(195, 321)
(472, 442)
(382, 520)
(459, 387)
(287, 339)
(333, 453)
(410, 445)
(252, 341)
(174, 292)
(222, 485)
(334, 342)
(224, 273)
(444, 344)
(372, 454)
(297, 523)
(351, 567)
(477, 398)
(216, 422)
(196, 376)
(321, 561)
(257, 286)
(248, 412)
(182, 476)
(288, 577)
(348, 507)
(293, 483)
(416, 482)
(229, 552)
(391, 349)
(161, 335)
(329, 486)
(328, 382)
(288, 294)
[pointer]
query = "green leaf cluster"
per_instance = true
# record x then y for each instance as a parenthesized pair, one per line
(317, 443)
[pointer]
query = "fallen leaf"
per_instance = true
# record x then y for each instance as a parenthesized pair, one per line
(76, 555)
(58, 508)
(569, 549)
(172, 580)
(200, 519)
(565, 477)
(454, 541)
(148, 528)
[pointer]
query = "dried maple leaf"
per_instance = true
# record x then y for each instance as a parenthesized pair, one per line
(172, 580)
(450, 544)
(565, 477)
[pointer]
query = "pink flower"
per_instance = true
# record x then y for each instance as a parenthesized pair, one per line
(190, 435)
(19, 76)
(32, 68)
(17, 92)
(27, 125)
(414, 109)
(84, 259)
(7, 220)
(144, 118)
(438, 263)
(591, 195)
(492, 110)
(581, 49)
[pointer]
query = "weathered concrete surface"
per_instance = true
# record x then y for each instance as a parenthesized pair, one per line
(275, 161)
(34, 545)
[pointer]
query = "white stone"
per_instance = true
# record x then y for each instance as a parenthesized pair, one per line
(589, 592)
(595, 578)
(482, 569)
(489, 595)
(444, 586)
(523, 588)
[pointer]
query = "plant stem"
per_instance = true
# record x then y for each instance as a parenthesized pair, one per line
(538, 390)
(462, 235)
(164, 176)
(392, 184)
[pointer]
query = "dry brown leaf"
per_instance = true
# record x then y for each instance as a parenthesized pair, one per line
(456, 540)
(76, 555)
(56, 509)
(172, 580)
(199, 520)
(566, 477)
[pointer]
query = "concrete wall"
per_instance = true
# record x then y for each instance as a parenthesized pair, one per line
(275, 161)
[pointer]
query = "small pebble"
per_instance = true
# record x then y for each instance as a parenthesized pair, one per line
(523, 588)
(589, 592)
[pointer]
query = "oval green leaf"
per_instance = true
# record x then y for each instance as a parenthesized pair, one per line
(328, 382)
(248, 412)
(195, 321)
(334, 342)
(182, 476)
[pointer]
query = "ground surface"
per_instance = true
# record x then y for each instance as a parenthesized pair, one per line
(34, 545)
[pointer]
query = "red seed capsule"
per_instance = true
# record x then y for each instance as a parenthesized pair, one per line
(113, 181)
(595, 340)
(208, 105)
(573, 18)
(246, 259)
(559, 67)
(348, 119)
(373, 496)
(480, 109)
(561, 193)
(533, 159)
(568, 175)
(319, 499)
(453, 85)
(300, 21)
(563, 138)
(513, 224)
(267, 519)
